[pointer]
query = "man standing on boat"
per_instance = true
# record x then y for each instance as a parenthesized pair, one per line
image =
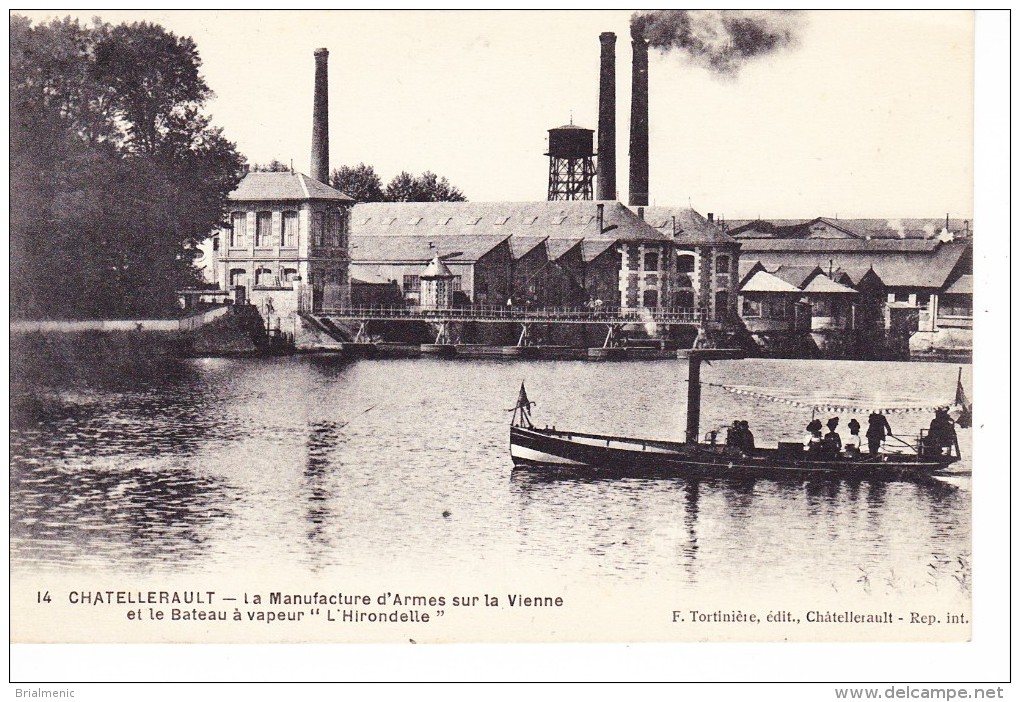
(878, 429)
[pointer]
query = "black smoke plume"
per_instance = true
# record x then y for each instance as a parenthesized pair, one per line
(720, 40)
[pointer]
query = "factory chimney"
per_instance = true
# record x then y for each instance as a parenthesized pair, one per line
(320, 119)
(639, 120)
(606, 170)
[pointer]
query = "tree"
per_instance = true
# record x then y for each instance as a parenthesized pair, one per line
(274, 166)
(360, 182)
(154, 78)
(116, 173)
(428, 187)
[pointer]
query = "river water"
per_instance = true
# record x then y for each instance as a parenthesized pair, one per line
(309, 464)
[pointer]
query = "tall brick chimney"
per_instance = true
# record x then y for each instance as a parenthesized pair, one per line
(606, 171)
(320, 119)
(639, 121)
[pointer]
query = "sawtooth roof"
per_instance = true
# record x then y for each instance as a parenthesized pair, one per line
(559, 247)
(260, 186)
(521, 246)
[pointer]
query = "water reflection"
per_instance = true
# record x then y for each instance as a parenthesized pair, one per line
(89, 516)
(323, 438)
(768, 522)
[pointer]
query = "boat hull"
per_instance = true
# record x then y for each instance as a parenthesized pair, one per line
(573, 453)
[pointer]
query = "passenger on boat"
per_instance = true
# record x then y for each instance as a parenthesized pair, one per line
(733, 434)
(878, 429)
(813, 439)
(852, 445)
(832, 442)
(941, 433)
(746, 437)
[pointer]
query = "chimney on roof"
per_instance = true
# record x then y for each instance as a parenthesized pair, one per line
(320, 119)
(639, 120)
(606, 169)
(641, 213)
(711, 218)
(600, 217)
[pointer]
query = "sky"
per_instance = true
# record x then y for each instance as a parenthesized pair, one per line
(869, 115)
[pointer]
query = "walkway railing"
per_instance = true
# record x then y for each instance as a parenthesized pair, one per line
(494, 313)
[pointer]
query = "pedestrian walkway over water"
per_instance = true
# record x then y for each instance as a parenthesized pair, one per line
(523, 315)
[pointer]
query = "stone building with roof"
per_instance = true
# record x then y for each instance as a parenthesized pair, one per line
(287, 235)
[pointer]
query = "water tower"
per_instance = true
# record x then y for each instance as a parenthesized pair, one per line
(571, 162)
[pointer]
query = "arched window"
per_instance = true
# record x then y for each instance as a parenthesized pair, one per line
(685, 262)
(263, 277)
(290, 228)
(289, 274)
(238, 277)
(238, 225)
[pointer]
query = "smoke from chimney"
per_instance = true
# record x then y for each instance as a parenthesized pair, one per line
(320, 119)
(606, 182)
(719, 40)
(639, 120)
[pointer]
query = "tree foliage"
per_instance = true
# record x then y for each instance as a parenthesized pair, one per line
(363, 184)
(274, 166)
(116, 173)
(427, 187)
(360, 182)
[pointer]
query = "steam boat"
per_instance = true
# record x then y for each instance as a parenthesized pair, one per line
(565, 452)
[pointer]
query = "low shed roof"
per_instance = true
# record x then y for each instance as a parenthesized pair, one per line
(765, 282)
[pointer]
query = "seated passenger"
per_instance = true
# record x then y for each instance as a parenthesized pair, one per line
(832, 441)
(941, 433)
(746, 437)
(814, 430)
(733, 435)
(852, 446)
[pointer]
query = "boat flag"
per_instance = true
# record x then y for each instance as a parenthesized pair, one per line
(961, 404)
(524, 406)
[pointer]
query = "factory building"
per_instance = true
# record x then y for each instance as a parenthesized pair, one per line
(540, 254)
